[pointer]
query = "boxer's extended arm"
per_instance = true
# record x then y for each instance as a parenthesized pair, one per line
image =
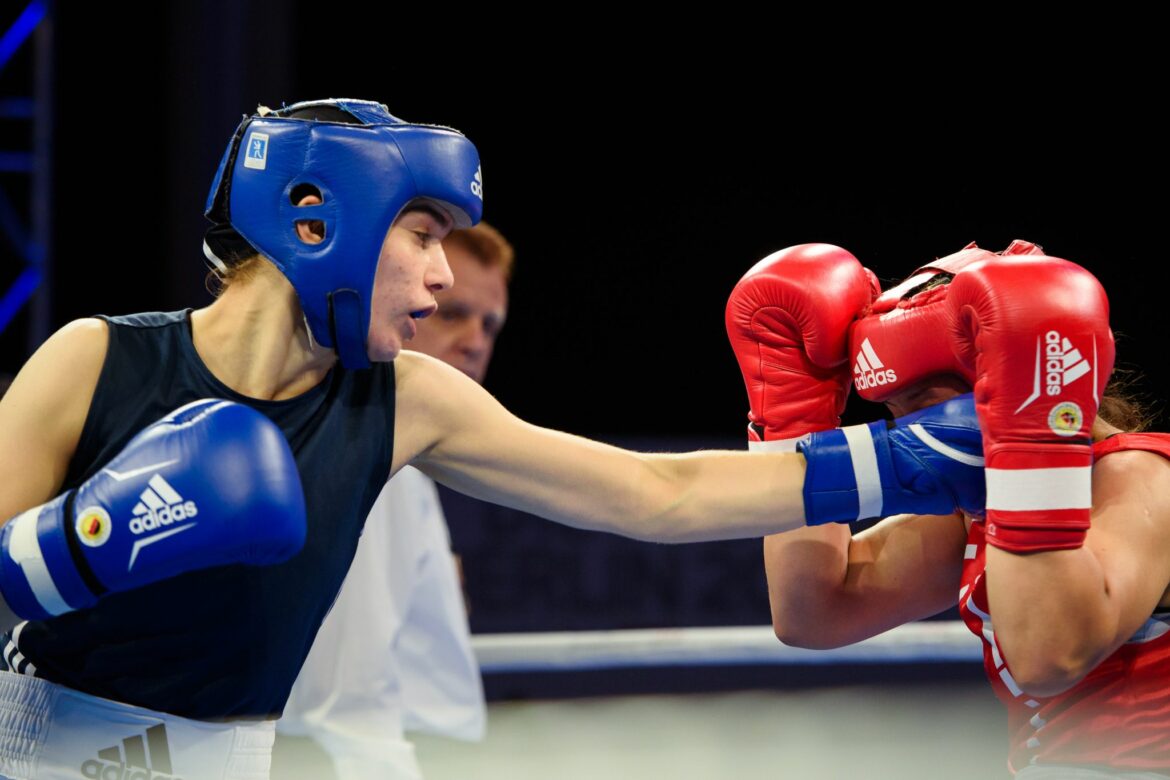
(1060, 613)
(461, 436)
(457, 433)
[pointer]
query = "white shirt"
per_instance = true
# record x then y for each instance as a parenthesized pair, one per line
(394, 653)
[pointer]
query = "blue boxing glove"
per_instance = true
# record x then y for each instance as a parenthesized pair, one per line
(929, 462)
(212, 483)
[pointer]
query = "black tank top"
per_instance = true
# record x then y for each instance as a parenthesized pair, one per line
(224, 642)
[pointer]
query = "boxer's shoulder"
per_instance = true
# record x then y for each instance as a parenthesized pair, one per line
(63, 373)
(64, 370)
(84, 338)
(1131, 508)
(44, 411)
(435, 402)
(429, 382)
(1133, 475)
(422, 402)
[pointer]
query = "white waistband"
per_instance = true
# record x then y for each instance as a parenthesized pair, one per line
(50, 732)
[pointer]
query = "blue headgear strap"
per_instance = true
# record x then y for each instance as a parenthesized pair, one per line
(366, 169)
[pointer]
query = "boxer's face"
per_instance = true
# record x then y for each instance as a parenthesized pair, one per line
(933, 391)
(470, 315)
(412, 268)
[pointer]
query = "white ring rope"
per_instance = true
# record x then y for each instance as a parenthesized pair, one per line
(926, 642)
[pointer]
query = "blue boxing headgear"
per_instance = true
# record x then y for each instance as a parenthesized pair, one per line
(367, 165)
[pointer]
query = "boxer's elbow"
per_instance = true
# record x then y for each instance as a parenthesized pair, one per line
(1048, 671)
(1045, 658)
(1044, 678)
(804, 635)
(808, 592)
(807, 623)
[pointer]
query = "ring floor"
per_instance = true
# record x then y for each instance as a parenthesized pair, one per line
(873, 732)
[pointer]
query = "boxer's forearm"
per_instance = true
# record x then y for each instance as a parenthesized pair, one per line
(716, 495)
(1058, 613)
(1054, 620)
(694, 497)
(828, 588)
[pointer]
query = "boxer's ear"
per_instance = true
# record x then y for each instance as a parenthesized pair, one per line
(309, 231)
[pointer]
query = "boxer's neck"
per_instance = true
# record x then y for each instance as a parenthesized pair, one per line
(253, 338)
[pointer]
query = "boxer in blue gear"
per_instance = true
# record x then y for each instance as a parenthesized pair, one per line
(212, 483)
(328, 219)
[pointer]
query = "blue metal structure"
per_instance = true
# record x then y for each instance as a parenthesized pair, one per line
(29, 242)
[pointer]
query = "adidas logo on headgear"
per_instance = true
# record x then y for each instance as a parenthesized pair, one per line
(159, 505)
(477, 183)
(869, 370)
(1063, 363)
(140, 757)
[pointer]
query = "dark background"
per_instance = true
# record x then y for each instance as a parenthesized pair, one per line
(638, 174)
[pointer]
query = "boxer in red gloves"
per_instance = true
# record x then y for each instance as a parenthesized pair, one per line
(1072, 557)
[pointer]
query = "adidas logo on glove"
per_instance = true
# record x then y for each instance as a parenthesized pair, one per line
(868, 370)
(1063, 363)
(159, 505)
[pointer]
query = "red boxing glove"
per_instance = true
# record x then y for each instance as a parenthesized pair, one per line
(1037, 332)
(788, 322)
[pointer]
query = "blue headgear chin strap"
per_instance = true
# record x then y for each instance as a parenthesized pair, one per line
(366, 165)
